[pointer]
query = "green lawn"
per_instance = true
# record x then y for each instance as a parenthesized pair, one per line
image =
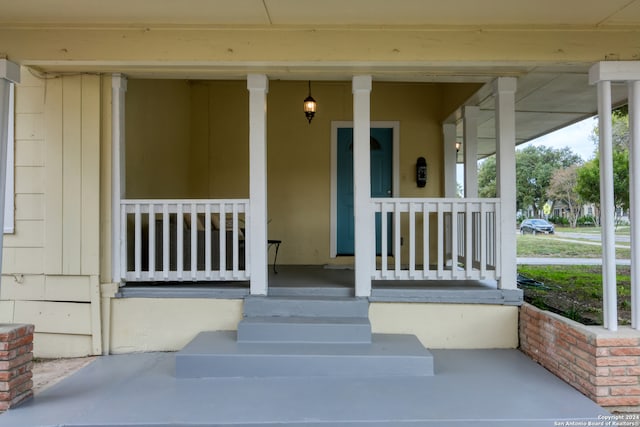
(575, 291)
(621, 229)
(544, 246)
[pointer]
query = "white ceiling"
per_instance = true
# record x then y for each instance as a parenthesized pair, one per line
(325, 12)
(545, 101)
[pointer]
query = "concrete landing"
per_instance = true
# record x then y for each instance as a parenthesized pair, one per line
(306, 306)
(471, 387)
(291, 329)
(219, 354)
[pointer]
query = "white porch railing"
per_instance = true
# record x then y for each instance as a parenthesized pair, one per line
(467, 231)
(183, 240)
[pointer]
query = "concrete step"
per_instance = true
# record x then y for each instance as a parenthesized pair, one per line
(219, 354)
(294, 329)
(299, 306)
(306, 290)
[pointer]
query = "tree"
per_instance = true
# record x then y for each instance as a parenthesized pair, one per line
(487, 177)
(562, 188)
(535, 166)
(588, 183)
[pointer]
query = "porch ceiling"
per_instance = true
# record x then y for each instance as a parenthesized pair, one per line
(547, 99)
(327, 12)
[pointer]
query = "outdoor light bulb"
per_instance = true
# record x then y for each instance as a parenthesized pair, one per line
(309, 106)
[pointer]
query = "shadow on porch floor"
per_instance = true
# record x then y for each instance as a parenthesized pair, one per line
(470, 387)
(317, 280)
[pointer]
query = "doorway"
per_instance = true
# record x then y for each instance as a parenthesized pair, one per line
(383, 161)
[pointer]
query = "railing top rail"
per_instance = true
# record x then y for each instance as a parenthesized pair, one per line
(182, 201)
(434, 200)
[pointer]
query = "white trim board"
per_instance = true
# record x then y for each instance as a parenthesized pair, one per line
(9, 200)
(335, 125)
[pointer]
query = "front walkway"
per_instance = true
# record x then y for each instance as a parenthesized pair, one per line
(470, 387)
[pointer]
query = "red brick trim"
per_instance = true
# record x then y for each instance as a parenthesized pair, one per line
(603, 365)
(16, 345)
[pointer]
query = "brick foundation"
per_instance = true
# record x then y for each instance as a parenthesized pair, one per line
(603, 365)
(16, 345)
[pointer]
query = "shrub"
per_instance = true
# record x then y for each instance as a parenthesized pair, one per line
(586, 221)
(558, 220)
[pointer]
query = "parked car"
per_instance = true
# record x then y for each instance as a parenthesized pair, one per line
(535, 226)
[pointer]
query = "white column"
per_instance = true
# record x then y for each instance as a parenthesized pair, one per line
(470, 124)
(118, 170)
(9, 73)
(258, 86)
(364, 219)
(607, 207)
(450, 155)
(634, 199)
(505, 88)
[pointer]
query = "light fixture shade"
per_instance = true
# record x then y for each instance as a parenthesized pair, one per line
(309, 106)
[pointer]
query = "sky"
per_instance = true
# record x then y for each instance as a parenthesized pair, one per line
(576, 137)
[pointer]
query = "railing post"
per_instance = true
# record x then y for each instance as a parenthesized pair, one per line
(364, 218)
(505, 88)
(258, 87)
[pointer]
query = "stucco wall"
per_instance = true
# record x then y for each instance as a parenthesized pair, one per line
(454, 326)
(168, 324)
(147, 324)
(202, 149)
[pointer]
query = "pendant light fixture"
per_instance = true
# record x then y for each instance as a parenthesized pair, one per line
(309, 105)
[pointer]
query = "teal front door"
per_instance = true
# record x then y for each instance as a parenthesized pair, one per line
(381, 149)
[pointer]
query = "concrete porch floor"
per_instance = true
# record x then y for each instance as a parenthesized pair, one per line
(318, 280)
(470, 387)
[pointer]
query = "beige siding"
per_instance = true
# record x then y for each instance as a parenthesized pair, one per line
(54, 317)
(90, 177)
(51, 263)
(105, 182)
(53, 194)
(58, 345)
(6, 311)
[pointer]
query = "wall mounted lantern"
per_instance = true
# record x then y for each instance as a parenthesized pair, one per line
(458, 145)
(309, 106)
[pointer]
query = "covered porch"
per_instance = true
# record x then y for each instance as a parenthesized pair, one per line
(421, 239)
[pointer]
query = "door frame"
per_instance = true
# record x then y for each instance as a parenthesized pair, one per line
(395, 172)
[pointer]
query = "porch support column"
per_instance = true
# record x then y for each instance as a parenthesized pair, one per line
(9, 73)
(470, 123)
(118, 175)
(258, 86)
(450, 159)
(364, 223)
(607, 207)
(505, 88)
(602, 74)
(634, 199)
